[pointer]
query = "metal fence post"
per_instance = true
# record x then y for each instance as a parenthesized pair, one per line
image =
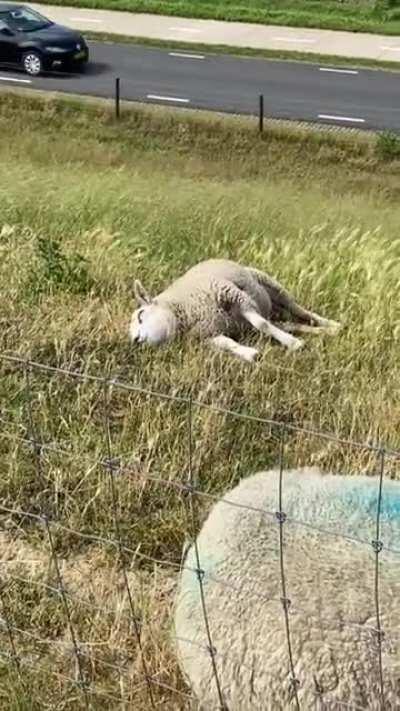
(117, 97)
(261, 113)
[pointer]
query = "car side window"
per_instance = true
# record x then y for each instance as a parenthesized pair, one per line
(4, 21)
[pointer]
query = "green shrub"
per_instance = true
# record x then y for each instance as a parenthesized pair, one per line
(388, 145)
(56, 270)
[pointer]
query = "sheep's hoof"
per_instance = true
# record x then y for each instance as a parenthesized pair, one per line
(249, 354)
(296, 345)
(333, 328)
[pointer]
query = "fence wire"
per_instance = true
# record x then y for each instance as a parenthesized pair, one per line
(294, 683)
(159, 686)
(112, 466)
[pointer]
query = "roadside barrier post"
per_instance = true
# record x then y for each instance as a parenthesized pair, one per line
(117, 97)
(261, 113)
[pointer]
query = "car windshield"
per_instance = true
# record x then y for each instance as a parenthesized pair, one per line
(24, 20)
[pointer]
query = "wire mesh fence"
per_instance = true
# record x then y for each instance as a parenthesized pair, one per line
(102, 482)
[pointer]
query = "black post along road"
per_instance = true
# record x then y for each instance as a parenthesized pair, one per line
(361, 98)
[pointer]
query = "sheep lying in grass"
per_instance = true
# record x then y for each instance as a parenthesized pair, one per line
(218, 300)
(330, 581)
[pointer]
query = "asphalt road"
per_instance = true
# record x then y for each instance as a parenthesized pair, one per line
(365, 99)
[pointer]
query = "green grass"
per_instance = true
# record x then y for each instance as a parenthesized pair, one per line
(89, 204)
(377, 16)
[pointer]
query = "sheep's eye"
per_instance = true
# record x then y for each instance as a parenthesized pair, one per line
(139, 316)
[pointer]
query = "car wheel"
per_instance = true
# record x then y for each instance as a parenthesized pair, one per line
(32, 63)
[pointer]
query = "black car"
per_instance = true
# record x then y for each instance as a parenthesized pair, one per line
(35, 43)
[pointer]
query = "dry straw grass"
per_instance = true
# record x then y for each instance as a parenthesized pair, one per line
(86, 207)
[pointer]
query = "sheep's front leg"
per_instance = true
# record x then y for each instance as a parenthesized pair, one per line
(261, 324)
(223, 343)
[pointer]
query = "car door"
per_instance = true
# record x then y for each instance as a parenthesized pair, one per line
(8, 44)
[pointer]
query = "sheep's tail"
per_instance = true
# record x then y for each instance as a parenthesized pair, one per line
(284, 303)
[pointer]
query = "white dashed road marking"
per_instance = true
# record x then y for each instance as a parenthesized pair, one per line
(186, 56)
(155, 97)
(338, 71)
(391, 49)
(20, 81)
(341, 118)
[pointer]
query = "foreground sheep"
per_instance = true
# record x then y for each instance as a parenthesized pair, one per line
(329, 581)
(218, 300)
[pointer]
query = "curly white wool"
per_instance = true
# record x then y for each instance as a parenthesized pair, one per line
(330, 581)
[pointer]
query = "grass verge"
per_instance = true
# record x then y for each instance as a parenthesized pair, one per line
(88, 204)
(378, 16)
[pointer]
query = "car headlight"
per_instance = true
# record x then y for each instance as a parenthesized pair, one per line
(56, 49)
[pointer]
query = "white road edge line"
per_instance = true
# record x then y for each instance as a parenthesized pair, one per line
(337, 71)
(186, 56)
(294, 39)
(341, 118)
(155, 97)
(20, 81)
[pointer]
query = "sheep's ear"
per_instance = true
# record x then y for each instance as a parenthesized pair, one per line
(141, 295)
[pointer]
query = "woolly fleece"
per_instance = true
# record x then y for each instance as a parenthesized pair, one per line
(330, 581)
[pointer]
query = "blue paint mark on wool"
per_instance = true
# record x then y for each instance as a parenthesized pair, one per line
(365, 501)
(341, 506)
(349, 507)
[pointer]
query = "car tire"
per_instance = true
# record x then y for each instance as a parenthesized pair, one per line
(32, 63)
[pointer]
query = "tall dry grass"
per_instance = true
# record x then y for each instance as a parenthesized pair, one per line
(86, 207)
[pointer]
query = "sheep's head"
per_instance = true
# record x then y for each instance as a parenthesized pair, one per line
(152, 322)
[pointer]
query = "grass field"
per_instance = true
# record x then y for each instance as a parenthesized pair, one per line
(378, 16)
(87, 206)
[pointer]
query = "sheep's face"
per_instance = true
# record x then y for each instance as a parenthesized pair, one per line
(151, 323)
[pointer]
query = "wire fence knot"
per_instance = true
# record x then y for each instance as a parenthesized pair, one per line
(188, 489)
(294, 684)
(280, 516)
(36, 446)
(136, 625)
(60, 589)
(83, 684)
(379, 634)
(14, 657)
(79, 650)
(377, 545)
(112, 464)
(286, 602)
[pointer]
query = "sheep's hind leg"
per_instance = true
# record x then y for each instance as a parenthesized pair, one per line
(261, 324)
(223, 343)
(281, 298)
(290, 327)
(310, 318)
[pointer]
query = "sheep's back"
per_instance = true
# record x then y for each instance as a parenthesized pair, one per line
(206, 295)
(329, 569)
